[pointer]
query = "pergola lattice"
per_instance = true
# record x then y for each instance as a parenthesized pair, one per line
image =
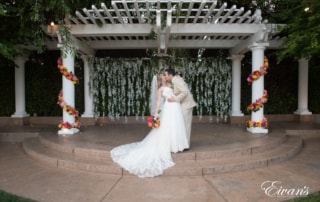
(163, 24)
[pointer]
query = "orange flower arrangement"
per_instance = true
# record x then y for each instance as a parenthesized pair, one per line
(69, 109)
(153, 122)
(259, 102)
(258, 73)
(261, 124)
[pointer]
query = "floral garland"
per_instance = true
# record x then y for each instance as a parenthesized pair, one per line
(258, 104)
(261, 124)
(64, 71)
(258, 73)
(69, 109)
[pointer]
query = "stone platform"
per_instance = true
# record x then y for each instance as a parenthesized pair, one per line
(21, 174)
(215, 148)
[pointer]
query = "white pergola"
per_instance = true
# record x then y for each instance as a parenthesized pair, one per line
(172, 24)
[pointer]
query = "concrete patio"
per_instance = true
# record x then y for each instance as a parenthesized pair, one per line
(26, 176)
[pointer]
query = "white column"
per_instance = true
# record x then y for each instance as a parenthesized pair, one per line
(68, 95)
(303, 87)
(236, 85)
(88, 102)
(257, 86)
(19, 75)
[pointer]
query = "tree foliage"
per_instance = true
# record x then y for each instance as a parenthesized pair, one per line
(22, 22)
(302, 31)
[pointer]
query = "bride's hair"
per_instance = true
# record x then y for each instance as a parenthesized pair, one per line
(159, 80)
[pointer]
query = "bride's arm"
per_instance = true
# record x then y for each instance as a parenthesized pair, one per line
(158, 104)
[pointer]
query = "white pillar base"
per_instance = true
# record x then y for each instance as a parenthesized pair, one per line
(303, 112)
(87, 115)
(19, 115)
(258, 130)
(237, 113)
(66, 131)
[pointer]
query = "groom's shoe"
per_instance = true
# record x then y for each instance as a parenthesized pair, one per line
(186, 149)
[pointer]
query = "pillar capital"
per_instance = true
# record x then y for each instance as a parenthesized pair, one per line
(236, 57)
(257, 46)
(306, 59)
(85, 57)
(20, 60)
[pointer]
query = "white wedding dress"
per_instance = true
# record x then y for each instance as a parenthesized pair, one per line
(152, 155)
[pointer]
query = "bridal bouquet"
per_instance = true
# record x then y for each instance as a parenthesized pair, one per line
(153, 121)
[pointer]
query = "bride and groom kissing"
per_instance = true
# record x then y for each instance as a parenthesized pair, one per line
(151, 156)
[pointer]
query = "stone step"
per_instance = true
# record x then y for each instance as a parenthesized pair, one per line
(17, 137)
(102, 152)
(196, 167)
(39, 152)
(283, 152)
(302, 132)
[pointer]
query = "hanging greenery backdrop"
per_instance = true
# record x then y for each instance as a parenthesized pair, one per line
(43, 82)
(121, 87)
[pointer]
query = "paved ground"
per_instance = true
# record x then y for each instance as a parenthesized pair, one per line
(25, 177)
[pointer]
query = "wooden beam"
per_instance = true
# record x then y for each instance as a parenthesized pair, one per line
(243, 46)
(178, 11)
(81, 17)
(199, 11)
(89, 16)
(244, 17)
(189, 11)
(235, 16)
(137, 11)
(97, 12)
(106, 11)
(225, 17)
(124, 3)
(114, 6)
(216, 17)
(176, 29)
(144, 44)
(213, 5)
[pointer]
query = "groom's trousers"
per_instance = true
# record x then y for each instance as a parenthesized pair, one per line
(187, 115)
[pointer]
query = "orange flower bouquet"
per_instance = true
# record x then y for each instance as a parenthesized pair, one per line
(153, 122)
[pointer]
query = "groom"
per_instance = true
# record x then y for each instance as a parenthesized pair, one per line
(183, 96)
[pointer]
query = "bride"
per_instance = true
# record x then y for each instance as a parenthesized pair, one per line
(152, 155)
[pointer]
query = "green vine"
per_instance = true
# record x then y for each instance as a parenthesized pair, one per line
(68, 44)
(121, 87)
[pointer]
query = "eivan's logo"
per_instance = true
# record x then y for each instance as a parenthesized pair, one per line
(275, 189)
